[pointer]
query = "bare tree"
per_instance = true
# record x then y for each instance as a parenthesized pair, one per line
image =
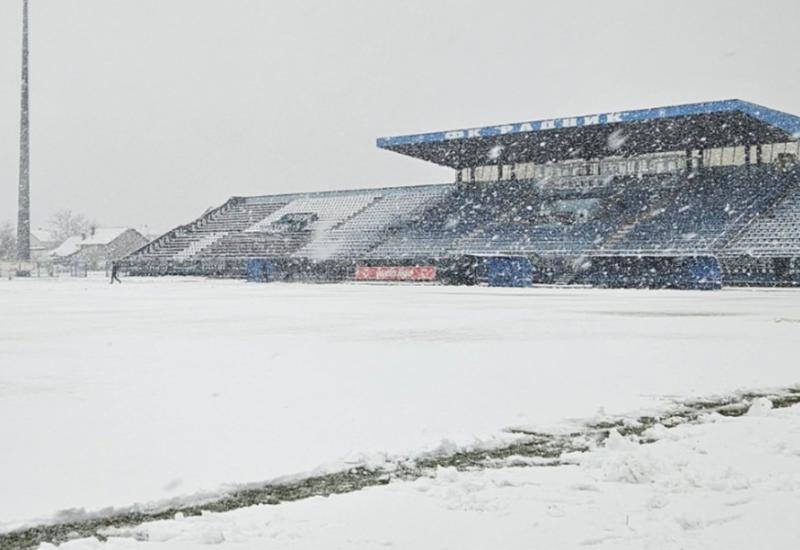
(66, 224)
(8, 241)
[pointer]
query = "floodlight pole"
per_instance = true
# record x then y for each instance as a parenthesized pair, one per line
(24, 211)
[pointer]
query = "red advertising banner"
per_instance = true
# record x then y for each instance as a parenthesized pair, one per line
(416, 273)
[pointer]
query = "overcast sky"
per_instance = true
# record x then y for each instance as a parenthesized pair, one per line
(146, 112)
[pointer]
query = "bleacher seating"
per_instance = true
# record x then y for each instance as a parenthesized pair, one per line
(187, 241)
(726, 210)
(251, 244)
(703, 212)
(775, 232)
(330, 209)
(621, 202)
(505, 218)
(438, 228)
(356, 235)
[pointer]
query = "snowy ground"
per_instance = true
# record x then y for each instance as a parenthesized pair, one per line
(723, 483)
(160, 389)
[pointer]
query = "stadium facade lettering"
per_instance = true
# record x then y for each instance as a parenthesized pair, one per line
(571, 122)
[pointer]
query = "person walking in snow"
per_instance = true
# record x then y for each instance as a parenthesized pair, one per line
(115, 273)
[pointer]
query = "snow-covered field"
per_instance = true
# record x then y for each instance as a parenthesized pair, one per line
(723, 483)
(165, 388)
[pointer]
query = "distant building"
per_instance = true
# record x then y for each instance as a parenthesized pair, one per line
(98, 248)
(43, 241)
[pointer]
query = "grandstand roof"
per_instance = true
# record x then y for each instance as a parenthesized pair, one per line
(713, 124)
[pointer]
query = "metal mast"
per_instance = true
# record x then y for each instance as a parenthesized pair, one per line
(24, 212)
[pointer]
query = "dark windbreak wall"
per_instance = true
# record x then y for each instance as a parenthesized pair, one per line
(678, 272)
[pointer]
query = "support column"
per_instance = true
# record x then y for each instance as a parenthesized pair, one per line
(24, 206)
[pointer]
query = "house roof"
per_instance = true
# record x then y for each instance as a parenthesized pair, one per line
(101, 236)
(67, 248)
(43, 235)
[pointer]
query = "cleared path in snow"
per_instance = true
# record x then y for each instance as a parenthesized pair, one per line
(529, 450)
(731, 483)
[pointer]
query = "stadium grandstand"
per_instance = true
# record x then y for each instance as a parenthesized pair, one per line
(696, 195)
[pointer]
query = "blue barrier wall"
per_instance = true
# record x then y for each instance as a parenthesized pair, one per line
(260, 271)
(706, 272)
(509, 271)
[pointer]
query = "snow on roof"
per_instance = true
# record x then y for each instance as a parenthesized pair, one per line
(675, 128)
(101, 236)
(67, 248)
(43, 235)
(784, 121)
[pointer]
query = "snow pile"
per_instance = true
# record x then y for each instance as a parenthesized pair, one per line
(760, 407)
(722, 483)
(624, 460)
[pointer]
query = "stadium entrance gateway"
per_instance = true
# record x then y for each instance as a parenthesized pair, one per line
(673, 196)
